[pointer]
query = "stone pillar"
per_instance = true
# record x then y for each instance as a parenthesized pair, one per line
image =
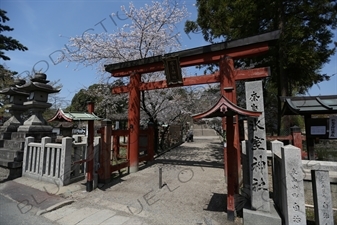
(257, 153)
(322, 197)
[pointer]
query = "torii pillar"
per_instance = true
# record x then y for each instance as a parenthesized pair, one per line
(232, 149)
(133, 119)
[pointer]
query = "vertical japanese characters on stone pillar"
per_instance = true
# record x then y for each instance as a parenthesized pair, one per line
(292, 186)
(257, 149)
(322, 197)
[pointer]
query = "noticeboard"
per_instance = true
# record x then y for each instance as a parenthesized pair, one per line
(333, 127)
(324, 128)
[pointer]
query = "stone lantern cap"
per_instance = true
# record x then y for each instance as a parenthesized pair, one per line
(40, 78)
(13, 90)
(39, 83)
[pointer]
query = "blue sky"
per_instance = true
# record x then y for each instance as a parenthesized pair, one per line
(44, 26)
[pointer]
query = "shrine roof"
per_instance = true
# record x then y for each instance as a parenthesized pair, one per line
(305, 105)
(76, 116)
(224, 107)
(199, 51)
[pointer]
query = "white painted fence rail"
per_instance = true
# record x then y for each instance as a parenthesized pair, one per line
(51, 162)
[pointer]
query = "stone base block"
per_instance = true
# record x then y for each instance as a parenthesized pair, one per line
(5, 135)
(252, 217)
(11, 155)
(10, 173)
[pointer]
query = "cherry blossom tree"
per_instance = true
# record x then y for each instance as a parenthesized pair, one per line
(148, 31)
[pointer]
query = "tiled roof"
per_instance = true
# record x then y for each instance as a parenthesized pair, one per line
(301, 105)
(70, 116)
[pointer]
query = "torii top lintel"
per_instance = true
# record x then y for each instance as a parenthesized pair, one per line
(240, 48)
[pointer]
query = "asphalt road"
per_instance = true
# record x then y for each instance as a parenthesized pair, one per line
(13, 213)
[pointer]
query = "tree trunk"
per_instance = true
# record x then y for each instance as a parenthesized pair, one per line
(282, 77)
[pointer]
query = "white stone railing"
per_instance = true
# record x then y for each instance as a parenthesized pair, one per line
(289, 172)
(52, 162)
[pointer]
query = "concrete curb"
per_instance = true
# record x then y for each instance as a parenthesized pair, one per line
(54, 207)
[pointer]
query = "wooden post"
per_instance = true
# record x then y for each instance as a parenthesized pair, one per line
(134, 118)
(297, 137)
(232, 150)
(150, 141)
(116, 146)
(90, 153)
(105, 153)
(309, 139)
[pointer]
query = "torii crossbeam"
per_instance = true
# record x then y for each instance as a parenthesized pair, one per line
(222, 53)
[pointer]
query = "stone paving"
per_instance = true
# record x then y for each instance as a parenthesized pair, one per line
(193, 191)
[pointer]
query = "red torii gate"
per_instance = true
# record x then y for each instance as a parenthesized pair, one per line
(223, 53)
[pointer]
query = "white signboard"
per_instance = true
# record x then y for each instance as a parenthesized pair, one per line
(318, 130)
(333, 127)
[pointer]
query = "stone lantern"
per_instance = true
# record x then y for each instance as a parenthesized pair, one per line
(36, 104)
(16, 99)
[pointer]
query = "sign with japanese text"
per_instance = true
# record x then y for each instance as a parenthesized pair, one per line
(333, 127)
(173, 71)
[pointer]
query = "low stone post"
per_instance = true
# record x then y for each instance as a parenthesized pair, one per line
(278, 175)
(42, 165)
(65, 169)
(322, 197)
(293, 204)
(245, 168)
(26, 164)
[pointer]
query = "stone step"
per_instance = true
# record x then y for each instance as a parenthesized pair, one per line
(10, 154)
(204, 132)
(10, 164)
(5, 136)
(14, 144)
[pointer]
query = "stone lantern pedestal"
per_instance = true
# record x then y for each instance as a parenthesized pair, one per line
(14, 131)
